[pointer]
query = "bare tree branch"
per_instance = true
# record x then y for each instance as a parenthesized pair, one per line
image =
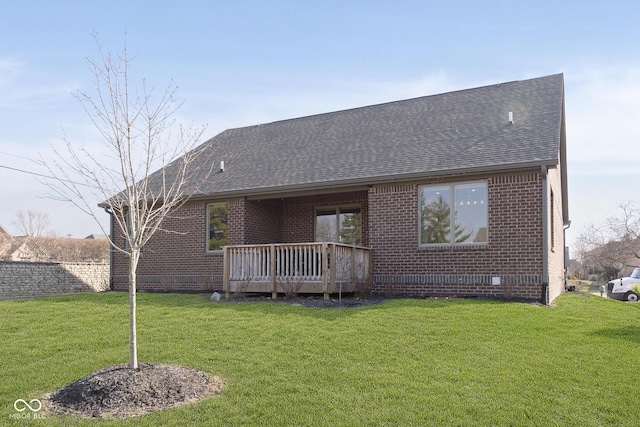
(32, 224)
(615, 245)
(135, 129)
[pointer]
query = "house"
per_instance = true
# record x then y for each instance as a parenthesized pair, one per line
(94, 248)
(18, 248)
(96, 237)
(458, 194)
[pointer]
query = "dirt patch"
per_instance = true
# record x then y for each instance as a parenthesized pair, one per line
(120, 392)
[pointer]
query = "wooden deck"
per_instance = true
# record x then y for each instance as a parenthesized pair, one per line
(320, 268)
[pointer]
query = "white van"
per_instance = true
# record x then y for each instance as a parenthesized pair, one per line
(625, 289)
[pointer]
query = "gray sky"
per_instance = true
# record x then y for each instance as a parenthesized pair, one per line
(241, 63)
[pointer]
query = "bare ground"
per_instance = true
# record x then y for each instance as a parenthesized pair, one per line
(120, 392)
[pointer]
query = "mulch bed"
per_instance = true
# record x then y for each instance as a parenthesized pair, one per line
(312, 301)
(120, 392)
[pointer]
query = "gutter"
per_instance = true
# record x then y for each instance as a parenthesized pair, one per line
(365, 182)
(545, 235)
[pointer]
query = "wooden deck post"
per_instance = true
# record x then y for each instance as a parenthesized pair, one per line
(368, 260)
(272, 272)
(333, 271)
(325, 270)
(353, 272)
(225, 271)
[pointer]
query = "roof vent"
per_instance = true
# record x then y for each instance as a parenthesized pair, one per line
(221, 165)
(510, 117)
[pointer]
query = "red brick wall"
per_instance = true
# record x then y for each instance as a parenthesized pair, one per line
(299, 214)
(263, 222)
(179, 261)
(236, 221)
(184, 263)
(174, 261)
(513, 253)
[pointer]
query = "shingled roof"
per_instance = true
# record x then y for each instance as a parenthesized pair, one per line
(458, 132)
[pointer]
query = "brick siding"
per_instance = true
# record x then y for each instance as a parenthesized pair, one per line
(513, 252)
(299, 214)
(176, 260)
(179, 261)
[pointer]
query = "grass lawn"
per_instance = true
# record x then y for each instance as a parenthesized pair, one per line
(406, 362)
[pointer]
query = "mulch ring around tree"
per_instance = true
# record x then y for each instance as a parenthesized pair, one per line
(120, 392)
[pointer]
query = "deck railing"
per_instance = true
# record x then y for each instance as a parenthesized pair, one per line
(321, 267)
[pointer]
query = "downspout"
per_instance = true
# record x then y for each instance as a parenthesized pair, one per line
(545, 234)
(107, 210)
(566, 253)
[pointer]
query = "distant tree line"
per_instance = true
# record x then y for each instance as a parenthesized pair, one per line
(36, 242)
(613, 248)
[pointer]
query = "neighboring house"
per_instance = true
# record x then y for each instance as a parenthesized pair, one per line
(96, 237)
(458, 194)
(19, 248)
(5, 242)
(93, 248)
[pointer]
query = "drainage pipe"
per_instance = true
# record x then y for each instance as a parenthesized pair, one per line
(566, 253)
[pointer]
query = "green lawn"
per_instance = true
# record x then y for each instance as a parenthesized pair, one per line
(438, 362)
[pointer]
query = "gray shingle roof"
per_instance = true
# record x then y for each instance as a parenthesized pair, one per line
(454, 132)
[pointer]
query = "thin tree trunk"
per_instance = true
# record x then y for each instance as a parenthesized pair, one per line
(133, 345)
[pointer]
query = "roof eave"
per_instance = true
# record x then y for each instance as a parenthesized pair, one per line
(364, 183)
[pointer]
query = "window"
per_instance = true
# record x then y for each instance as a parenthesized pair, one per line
(466, 223)
(340, 224)
(216, 226)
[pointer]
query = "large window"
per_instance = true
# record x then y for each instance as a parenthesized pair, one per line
(454, 214)
(339, 224)
(216, 226)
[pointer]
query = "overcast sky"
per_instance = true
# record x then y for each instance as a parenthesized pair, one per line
(238, 63)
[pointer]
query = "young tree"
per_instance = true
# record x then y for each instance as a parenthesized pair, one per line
(135, 129)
